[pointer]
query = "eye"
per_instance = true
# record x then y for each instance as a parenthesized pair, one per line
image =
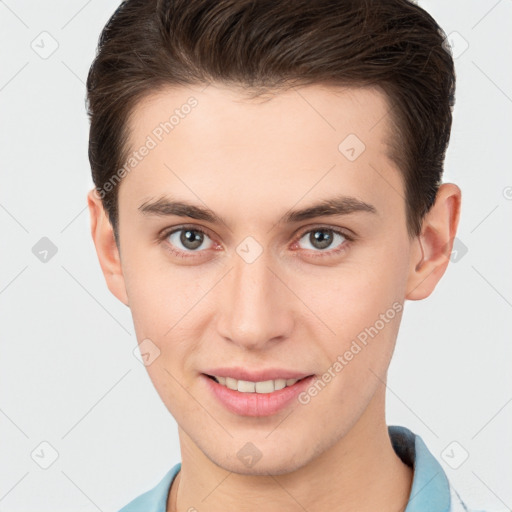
(188, 239)
(322, 238)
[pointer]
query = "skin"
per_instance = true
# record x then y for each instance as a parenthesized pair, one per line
(294, 307)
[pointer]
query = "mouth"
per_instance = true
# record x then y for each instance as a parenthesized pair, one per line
(262, 387)
(256, 399)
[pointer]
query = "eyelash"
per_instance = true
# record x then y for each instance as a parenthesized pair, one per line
(318, 253)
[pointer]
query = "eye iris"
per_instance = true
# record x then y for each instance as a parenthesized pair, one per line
(317, 237)
(191, 239)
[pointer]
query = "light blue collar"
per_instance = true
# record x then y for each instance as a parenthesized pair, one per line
(430, 489)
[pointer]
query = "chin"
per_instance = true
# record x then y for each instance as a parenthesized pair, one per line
(274, 468)
(270, 462)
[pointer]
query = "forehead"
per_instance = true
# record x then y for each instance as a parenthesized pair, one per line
(220, 112)
(305, 140)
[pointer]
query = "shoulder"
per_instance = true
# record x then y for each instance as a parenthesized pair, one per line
(155, 499)
(431, 489)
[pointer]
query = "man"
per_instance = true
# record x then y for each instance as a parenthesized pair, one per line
(267, 196)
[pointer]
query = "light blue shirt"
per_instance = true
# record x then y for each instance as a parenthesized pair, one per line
(430, 491)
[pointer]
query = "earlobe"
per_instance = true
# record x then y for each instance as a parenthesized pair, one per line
(432, 248)
(106, 247)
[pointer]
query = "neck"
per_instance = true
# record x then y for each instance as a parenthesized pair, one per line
(360, 472)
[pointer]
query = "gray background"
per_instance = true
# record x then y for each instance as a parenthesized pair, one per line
(68, 376)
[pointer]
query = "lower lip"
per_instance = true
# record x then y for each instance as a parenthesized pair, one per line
(257, 404)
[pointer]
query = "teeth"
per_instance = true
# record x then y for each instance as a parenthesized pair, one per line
(231, 383)
(245, 386)
(280, 384)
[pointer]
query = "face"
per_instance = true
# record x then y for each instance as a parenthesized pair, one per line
(250, 289)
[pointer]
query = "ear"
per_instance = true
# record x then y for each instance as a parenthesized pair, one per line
(433, 247)
(106, 247)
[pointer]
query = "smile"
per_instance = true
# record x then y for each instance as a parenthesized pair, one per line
(255, 398)
(245, 386)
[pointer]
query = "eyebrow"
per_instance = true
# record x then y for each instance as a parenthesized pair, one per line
(339, 205)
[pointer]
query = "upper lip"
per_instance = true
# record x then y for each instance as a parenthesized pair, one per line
(239, 373)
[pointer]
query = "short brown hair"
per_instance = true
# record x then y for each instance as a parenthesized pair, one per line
(264, 45)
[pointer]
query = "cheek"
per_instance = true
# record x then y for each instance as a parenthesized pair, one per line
(350, 298)
(364, 315)
(357, 314)
(162, 304)
(168, 308)
(160, 295)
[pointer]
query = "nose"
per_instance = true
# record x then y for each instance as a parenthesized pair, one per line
(256, 305)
